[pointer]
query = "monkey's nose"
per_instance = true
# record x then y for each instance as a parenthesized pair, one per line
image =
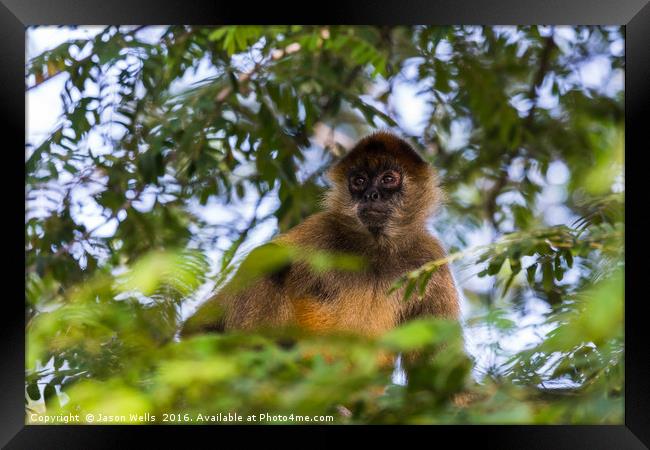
(372, 194)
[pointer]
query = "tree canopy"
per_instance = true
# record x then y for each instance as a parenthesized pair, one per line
(189, 145)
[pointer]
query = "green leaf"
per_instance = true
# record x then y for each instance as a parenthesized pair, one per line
(515, 265)
(424, 281)
(568, 257)
(418, 334)
(558, 270)
(495, 265)
(547, 275)
(33, 391)
(530, 273)
(410, 287)
(49, 395)
(507, 284)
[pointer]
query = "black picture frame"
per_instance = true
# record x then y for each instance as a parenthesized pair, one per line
(16, 15)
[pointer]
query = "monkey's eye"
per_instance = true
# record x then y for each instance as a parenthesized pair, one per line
(358, 181)
(390, 178)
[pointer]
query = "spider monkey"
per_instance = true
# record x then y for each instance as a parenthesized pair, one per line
(382, 194)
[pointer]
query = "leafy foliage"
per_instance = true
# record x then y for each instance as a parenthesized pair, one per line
(185, 142)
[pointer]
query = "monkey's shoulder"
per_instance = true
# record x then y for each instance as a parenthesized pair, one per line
(306, 230)
(323, 231)
(426, 247)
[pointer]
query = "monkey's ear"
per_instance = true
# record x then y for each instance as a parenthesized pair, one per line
(337, 173)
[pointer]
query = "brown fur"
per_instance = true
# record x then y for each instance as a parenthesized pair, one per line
(354, 302)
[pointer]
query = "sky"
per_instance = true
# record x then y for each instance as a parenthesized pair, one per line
(44, 108)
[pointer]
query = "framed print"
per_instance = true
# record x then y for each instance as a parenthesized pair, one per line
(405, 215)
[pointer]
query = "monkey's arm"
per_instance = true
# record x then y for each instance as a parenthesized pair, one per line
(440, 297)
(210, 317)
(260, 305)
(250, 303)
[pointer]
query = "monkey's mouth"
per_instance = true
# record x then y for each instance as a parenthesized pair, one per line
(373, 216)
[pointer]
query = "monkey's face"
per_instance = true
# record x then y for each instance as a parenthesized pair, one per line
(383, 186)
(375, 188)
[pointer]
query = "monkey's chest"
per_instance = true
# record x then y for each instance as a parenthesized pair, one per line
(365, 310)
